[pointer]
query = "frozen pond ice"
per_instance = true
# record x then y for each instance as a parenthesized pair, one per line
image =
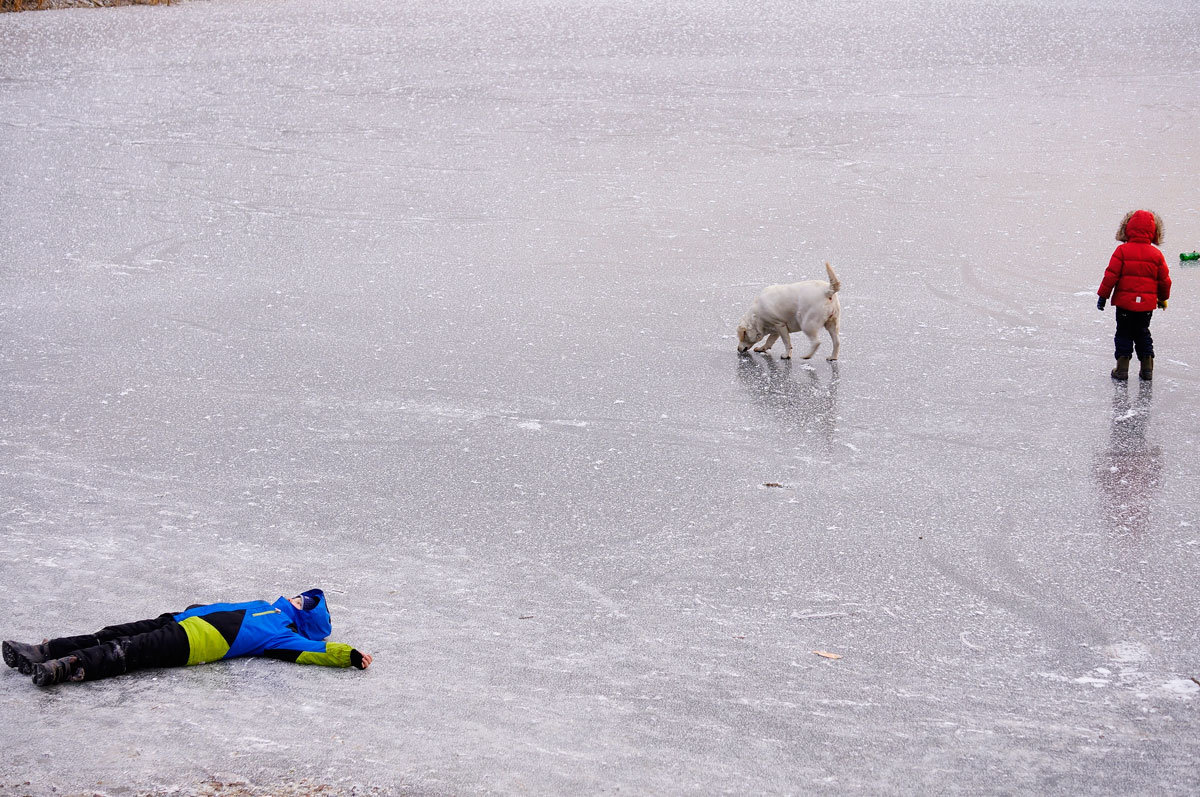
(432, 305)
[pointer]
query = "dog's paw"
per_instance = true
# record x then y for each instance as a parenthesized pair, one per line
(785, 356)
(831, 359)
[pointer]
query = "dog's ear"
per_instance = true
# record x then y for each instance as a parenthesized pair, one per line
(741, 333)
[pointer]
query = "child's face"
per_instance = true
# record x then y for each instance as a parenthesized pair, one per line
(298, 602)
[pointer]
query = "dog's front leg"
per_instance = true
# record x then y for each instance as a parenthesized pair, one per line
(787, 344)
(768, 343)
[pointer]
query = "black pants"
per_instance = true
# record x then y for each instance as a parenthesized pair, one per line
(118, 649)
(1133, 331)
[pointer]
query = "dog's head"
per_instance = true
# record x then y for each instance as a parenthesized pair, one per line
(748, 332)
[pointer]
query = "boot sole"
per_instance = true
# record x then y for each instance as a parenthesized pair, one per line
(16, 659)
(44, 676)
(16, 656)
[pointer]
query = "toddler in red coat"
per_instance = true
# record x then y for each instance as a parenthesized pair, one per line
(1138, 280)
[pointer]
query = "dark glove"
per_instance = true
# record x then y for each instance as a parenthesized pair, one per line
(356, 659)
(1101, 302)
(1162, 304)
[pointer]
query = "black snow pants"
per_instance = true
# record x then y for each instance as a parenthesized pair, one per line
(118, 649)
(1133, 330)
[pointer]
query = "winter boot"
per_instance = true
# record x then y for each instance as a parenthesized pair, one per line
(57, 671)
(1122, 370)
(23, 657)
(1147, 369)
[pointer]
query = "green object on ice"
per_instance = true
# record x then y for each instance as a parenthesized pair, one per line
(1189, 255)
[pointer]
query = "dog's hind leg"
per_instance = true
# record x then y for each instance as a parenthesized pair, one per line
(831, 326)
(812, 337)
(768, 343)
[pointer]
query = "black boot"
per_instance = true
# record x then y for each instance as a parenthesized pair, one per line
(90, 664)
(1122, 370)
(1147, 370)
(57, 671)
(23, 657)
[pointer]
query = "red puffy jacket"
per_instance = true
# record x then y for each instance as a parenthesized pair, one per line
(1137, 269)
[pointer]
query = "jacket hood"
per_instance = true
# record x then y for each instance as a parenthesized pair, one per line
(1141, 225)
(314, 623)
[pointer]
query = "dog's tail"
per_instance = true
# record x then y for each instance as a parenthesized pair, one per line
(835, 285)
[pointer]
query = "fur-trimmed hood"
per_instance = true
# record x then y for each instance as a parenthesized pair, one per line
(1141, 225)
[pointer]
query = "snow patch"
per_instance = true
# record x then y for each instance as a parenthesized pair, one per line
(1182, 687)
(1127, 652)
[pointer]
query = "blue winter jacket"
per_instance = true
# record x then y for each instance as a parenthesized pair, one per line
(256, 628)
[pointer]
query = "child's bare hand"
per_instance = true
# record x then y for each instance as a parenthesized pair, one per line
(366, 661)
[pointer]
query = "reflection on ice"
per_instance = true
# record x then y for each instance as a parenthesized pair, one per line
(1129, 469)
(796, 398)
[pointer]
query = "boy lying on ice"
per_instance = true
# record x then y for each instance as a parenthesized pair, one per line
(288, 629)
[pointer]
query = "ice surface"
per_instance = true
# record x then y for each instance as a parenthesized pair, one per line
(432, 304)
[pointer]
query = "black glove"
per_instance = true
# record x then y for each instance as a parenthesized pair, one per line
(356, 659)
(1101, 302)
